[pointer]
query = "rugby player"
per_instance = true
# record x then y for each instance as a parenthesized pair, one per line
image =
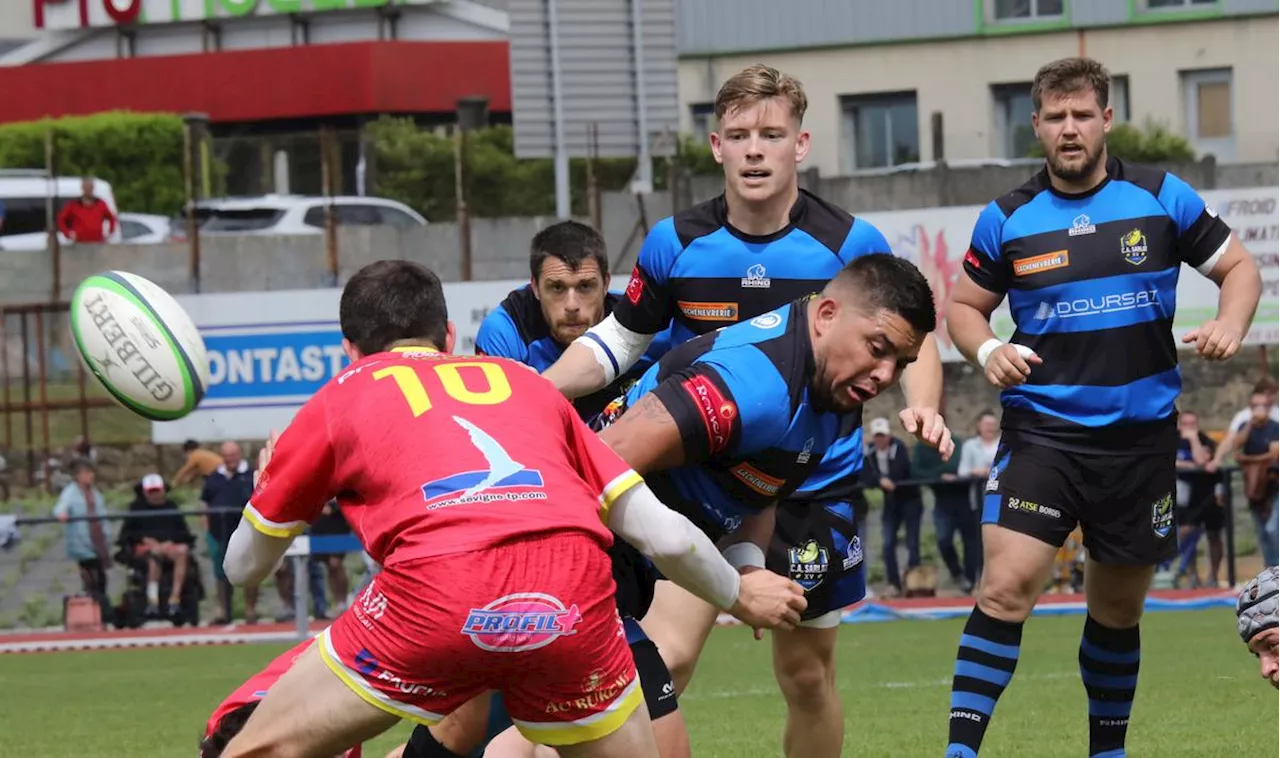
(758, 246)
(1256, 621)
(568, 292)
(1088, 252)
(488, 504)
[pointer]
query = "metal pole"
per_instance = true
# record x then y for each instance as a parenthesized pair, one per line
(51, 213)
(644, 176)
(460, 190)
(330, 216)
(557, 114)
(300, 594)
(193, 230)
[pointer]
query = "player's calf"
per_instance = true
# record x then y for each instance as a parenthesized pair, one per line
(804, 665)
(679, 623)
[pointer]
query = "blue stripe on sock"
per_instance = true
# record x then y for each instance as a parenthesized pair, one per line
(1109, 754)
(956, 750)
(1110, 709)
(985, 673)
(1109, 656)
(972, 702)
(989, 647)
(1110, 682)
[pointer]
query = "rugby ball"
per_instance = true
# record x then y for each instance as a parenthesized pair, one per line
(140, 345)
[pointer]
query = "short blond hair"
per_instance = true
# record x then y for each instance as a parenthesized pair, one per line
(1068, 76)
(757, 83)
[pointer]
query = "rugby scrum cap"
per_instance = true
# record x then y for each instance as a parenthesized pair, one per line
(1256, 606)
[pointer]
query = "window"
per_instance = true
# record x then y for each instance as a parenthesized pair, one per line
(242, 220)
(1159, 4)
(1119, 98)
(703, 116)
(1207, 103)
(1025, 10)
(356, 215)
(397, 218)
(1014, 135)
(132, 229)
(880, 130)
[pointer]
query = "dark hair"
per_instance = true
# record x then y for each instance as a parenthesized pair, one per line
(986, 412)
(886, 282)
(1266, 385)
(1070, 75)
(570, 241)
(189, 445)
(228, 727)
(393, 301)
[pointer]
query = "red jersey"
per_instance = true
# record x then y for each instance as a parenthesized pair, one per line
(431, 454)
(256, 688)
(84, 221)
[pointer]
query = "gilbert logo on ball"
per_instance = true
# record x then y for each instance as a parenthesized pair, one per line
(522, 621)
(140, 344)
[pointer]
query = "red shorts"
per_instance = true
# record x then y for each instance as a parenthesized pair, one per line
(535, 620)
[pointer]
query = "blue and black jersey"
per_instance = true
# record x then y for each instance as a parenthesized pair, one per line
(740, 397)
(517, 330)
(698, 273)
(1092, 283)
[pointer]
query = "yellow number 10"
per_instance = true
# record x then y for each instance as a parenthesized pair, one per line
(410, 384)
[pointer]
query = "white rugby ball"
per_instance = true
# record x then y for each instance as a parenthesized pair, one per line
(140, 344)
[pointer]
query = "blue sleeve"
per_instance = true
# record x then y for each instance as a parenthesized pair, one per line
(984, 262)
(646, 305)
(727, 405)
(863, 239)
(499, 337)
(1200, 232)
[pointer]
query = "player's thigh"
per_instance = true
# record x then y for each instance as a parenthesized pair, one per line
(816, 545)
(634, 738)
(466, 728)
(660, 697)
(309, 711)
(679, 623)
(804, 661)
(512, 744)
(1129, 517)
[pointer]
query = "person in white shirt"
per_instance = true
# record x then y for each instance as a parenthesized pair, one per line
(1266, 386)
(978, 454)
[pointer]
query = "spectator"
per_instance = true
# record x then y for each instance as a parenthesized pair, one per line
(86, 539)
(199, 461)
(331, 523)
(1197, 503)
(888, 463)
(158, 540)
(228, 487)
(1230, 442)
(978, 454)
(1259, 451)
(952, 513)
(82, 219)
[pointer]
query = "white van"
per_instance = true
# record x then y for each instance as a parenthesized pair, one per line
(24, 192)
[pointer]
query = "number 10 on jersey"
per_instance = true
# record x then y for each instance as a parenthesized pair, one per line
(407, 379)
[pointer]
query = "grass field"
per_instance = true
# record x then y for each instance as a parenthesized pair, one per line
(1199, 695)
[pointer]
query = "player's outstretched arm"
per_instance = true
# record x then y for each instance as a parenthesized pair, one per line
(922, 386)
(251, 555)
(647, 437)
(607, 351)
(687, 557)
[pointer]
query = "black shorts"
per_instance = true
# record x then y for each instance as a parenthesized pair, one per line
(1208, 515)
(1124, 504)
(816, 544)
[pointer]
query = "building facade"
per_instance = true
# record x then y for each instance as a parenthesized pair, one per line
(918, 80)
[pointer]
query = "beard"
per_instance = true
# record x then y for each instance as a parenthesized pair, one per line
(1081, 171)
(822, 396)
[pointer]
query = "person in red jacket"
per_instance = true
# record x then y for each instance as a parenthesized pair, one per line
(82, 219)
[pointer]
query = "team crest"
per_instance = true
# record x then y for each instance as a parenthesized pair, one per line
(853, 555)
(808, 564)
(1133, 246)
(1162, 516)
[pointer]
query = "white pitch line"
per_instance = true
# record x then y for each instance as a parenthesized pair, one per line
(916, 684)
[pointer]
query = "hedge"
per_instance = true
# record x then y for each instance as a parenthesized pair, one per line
(140, 154)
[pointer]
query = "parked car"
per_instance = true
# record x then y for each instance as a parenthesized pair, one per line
(297, 214)
(145, 228)
(24, 192)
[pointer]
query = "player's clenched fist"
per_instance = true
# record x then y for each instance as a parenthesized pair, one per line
(1215, 340)
(1007, 365)
(768, 601)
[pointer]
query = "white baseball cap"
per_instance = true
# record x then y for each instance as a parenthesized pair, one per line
(879, 426)
(152, 482)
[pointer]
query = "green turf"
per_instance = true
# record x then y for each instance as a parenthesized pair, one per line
(1199, 695)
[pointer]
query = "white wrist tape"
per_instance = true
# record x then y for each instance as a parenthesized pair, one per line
(989, 347)
(742, 554)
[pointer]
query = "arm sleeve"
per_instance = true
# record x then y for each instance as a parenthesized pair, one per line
(983, 262)
(110, 217)
(863, 239)
(64, 218)
(646, 305)
(1202, 235)
(499, 337)
(299, 478)
(604, 471)
(63, 506)
(679, 549)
